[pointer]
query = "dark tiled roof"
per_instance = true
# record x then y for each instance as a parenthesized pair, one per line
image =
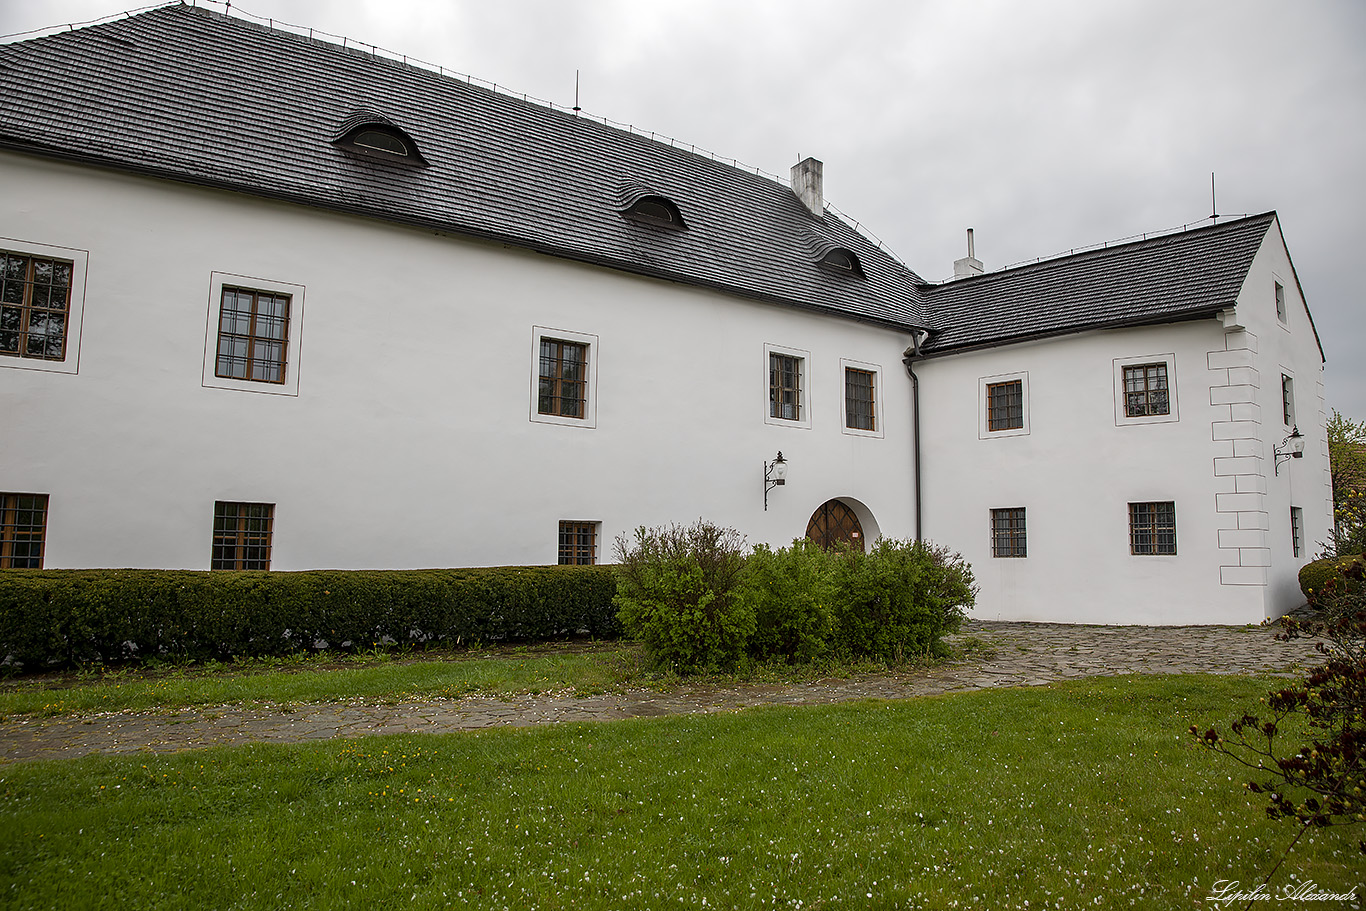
(194, 95)
(1163, 279)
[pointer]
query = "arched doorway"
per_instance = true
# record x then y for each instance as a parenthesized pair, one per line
(832, 522)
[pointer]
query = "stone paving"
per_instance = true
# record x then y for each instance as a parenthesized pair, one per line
(1018, 654)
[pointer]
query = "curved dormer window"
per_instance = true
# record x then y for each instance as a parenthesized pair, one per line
(374, 135)
(655, 210)
(840, 259)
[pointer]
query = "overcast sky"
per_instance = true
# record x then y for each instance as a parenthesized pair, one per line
(1044, 126)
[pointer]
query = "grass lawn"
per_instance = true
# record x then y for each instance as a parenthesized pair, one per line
(580, 669)
(1080, 794)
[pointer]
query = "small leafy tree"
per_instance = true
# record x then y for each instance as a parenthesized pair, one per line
(1319, 779)
(1347, 462)
(680, 592)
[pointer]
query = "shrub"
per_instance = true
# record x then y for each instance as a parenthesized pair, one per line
(61, 618)
(1323, 580)
(899, 599)
(794, 601)
(679, 591)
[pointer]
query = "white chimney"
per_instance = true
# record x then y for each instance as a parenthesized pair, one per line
(806, 183)
(969, 265)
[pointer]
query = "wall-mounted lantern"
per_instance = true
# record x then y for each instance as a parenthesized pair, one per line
(775, 475)
(1292, 447)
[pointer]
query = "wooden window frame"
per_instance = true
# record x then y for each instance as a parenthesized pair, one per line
(1138, 381)
(234, 544)
(18, 295)
(990, 424)
(1152, 528)
(255, 335)
(860, 413)
(578, 543)
(797, 385)
(1009, 534)
(28, 534)
(556, 394)
(1005, 406)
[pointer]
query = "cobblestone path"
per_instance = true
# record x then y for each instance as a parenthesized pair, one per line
(1021, 654)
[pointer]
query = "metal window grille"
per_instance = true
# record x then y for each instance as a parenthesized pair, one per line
(563, 386)
(35, 297)
(1008, 532)
(242, 535)
(23, 526)
(1145, 390)
(1288, 400)
(253, 335)
(860, 412)
(1297, 530)
(578, 543)
(785, 387)
(1005, 405)
(1280, 302)
(1152, 528)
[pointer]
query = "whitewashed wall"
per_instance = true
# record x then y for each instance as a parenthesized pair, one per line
(409, 442)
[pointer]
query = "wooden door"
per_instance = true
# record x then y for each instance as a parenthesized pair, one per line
(834, 522)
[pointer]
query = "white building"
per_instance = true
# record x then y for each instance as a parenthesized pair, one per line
(269, 302)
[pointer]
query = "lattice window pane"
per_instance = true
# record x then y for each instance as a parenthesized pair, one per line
(859, 408)
(1008, 538)
(242, 535)
(23, 527)
(578, 543)
(35, 297)
(1152, 528)
(563, 386)
(1005, 405)
(785, 387)
(253, 334)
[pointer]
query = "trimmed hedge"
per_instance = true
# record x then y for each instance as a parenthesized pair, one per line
(62, 618)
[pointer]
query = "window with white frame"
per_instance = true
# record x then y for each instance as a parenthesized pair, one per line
(1297, 531)
(1145, 389)
(42, 298)
(255, 328)
(1003, 405)
(1288, 400)
(862, 403)
(564, 377)
(787, 372)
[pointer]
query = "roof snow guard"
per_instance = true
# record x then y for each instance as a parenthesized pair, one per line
(213, 100)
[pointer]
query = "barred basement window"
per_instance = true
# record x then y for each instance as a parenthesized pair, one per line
(578, 543)
(563, 388)
(23, 526)
(1008, 532)
(1152, 528)
(35, 300)
(1297, 531)
(1005, 405)
(242, 535)
(785, 387)
(860, 412)
(1145, 390)
(253, 335)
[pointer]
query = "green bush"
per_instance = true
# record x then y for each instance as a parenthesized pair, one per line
(61, 618)
(794, 601)
(1331, 577)
(679, 592)
(899, 600)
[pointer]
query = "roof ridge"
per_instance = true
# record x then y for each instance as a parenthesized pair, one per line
(1103, 248)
